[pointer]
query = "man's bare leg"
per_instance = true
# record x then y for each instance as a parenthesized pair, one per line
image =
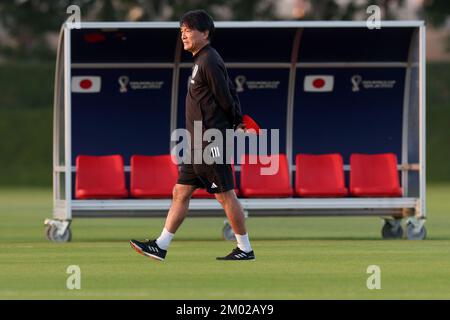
(233, 210)
(157, 249)
(235, 214)
(181, 195)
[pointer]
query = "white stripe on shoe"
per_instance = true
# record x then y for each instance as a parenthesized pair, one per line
(139, 250)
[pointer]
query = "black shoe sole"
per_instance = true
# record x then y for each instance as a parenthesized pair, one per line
(236, 259)
(145, 254)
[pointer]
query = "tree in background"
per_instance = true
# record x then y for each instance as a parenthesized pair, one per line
(29, 22)
(436, 11)
(337, 10)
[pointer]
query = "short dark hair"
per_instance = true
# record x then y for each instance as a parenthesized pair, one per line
(199, 20)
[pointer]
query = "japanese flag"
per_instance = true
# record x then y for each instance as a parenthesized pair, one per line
(86, 84)
(318, 83)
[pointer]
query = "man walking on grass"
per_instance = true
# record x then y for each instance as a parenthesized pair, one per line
(211, 99)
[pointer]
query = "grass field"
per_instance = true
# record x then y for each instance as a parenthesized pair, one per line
(297, 258)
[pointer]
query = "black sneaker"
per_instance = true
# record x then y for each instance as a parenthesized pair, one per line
(238, 254)
(149, 249)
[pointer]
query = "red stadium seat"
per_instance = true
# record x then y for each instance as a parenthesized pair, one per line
(320, 176)
(256, 185)
(152, 176)
(100, 177)
(374, 175)
(203, 194)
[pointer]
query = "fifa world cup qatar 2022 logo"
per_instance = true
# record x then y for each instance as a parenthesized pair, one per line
(356, 81)
(240, 81)
(123, 82)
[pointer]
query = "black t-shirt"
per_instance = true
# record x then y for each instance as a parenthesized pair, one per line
(211, 96)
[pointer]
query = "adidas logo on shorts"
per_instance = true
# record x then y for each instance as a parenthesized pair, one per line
(215, 152)
(213, 185)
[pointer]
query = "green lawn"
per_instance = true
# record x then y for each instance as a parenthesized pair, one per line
(297, 258)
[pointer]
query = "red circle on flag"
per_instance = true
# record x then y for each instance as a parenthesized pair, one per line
(85, 84)
(318, 83)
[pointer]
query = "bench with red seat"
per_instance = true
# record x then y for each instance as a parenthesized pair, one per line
(371, 175)
(100, 177)
(374, 175)
(152, 176)
(320, 176)
(257, 184)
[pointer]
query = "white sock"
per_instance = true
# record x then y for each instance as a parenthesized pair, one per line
(243, 243)
(164, 239)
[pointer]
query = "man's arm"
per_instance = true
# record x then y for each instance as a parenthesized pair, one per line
(237, 104)
(223, 91)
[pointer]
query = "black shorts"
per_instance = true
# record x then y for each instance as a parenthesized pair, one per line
(214, 177)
